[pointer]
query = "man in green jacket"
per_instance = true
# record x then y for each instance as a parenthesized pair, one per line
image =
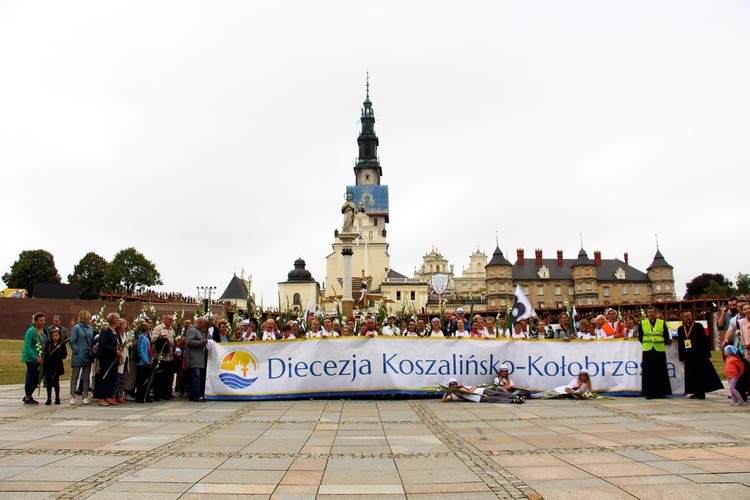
(33, 356)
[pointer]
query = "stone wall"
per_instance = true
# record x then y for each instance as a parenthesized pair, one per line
(16, 314)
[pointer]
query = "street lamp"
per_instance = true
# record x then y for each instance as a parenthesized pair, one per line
(206, 292)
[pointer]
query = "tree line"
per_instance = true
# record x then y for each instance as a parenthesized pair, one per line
(717, 285)
(128, 270)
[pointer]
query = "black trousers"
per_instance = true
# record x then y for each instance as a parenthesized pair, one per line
(141, 381)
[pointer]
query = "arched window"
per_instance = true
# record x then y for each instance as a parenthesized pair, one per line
(296, 299)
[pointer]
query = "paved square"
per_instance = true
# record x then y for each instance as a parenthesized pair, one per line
(608, 448)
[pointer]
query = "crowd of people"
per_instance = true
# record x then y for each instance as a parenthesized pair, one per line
(151, 362)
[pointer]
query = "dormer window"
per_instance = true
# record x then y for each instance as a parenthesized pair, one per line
(543, 272)
(620, 273)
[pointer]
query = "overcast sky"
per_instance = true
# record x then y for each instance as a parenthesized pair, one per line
(220, 136)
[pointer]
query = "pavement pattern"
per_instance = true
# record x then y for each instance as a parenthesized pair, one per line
(607, 448)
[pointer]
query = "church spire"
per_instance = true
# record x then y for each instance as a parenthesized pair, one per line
(367, 170)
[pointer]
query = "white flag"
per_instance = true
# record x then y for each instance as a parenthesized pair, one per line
(521, 306)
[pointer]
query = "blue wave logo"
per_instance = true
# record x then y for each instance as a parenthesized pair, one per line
(236, 382)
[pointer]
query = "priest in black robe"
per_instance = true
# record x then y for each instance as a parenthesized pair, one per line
(695, 353)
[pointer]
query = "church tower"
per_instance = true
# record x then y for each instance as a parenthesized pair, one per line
(370, 260)
(367, 170)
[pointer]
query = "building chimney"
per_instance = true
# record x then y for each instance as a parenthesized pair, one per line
(519, 256)
(538, 254)
(559, 258)
(597, 258)
(626, 257)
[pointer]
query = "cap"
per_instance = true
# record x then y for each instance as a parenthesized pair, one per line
(503, 367)
(246, 322)
(460, 310)
(392, 316)
(730, 350)
(609, 311)
(583, 370)
(452, 380)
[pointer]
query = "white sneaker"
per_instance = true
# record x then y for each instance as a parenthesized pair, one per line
(72, 401)
(85, 401)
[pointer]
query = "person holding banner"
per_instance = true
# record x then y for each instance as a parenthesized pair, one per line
(474, 394)
(654, 337)
(695, 354)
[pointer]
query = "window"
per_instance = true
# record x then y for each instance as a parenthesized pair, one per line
(398, 295)
(558, 290)
(413, 295)
(580, 302)
(492, 272)
(580, 287)
(526, 290)
(375, 221)
(502, 302)
(492, 303)
(570, 290)
(649, 290)
(501, 272)
(578, 272)
(558, 304)
(492, 287)
(658, 288)
(606, 291)
(666, 274)
(624, 289)
(541, 305)
(540, 290)
(666, 287)
(502, 287)
(431, 268)
(589, 301)
(636, 290)
(296, 299)
(588, 287)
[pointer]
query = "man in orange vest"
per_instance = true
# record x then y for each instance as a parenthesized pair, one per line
(611, 329)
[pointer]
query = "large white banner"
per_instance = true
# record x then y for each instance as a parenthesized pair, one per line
(352, 366)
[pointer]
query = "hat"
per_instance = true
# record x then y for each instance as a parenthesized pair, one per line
(392, 316)
(503, 367)
(583, 370)
(452, 380)
(460, 310)
(54, 329)
(730, 350)
(609, 311)
(94, 317)
(246, 322)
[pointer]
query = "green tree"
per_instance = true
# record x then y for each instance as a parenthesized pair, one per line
(32, 267)
(88, 274)
(743, 283)
(131, 269)
(707, 284)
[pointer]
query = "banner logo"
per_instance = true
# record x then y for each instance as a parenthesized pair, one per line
(235, 368)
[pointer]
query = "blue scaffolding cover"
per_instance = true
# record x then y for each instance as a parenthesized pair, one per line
(375, 198)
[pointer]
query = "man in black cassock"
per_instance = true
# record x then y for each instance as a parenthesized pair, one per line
(654, 336)
(695, 354)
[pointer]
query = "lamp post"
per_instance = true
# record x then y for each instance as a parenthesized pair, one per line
(206, 291)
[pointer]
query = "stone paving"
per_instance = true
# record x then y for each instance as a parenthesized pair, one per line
(609, 448)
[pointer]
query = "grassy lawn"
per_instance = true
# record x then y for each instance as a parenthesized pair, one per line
(12, 371)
